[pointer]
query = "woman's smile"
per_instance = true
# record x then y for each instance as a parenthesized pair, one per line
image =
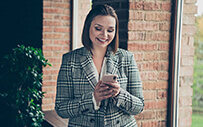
(102, 31)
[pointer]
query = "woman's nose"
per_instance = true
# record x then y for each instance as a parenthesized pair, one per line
(105, 33)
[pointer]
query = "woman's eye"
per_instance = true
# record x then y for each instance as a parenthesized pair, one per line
(97, 28)
(111, 30)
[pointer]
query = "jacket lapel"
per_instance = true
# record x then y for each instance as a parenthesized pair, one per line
(87, 65)
(111, 62)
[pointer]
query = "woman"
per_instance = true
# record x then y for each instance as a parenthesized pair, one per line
(81, 95)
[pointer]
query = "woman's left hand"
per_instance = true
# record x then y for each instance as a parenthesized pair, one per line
(115, 87)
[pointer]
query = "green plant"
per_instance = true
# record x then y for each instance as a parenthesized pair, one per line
(20, 88)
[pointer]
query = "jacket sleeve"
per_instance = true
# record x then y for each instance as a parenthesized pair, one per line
(131, 100)
(66, 105)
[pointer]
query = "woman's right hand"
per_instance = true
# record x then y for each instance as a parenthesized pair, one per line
(102, 92)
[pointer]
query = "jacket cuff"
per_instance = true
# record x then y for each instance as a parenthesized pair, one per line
(96, 106)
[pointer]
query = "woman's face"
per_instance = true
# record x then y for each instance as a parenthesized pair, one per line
(102, 31)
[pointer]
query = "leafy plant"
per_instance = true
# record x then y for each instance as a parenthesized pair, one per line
(20, 88)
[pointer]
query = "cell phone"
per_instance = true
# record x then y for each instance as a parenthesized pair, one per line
(109, 78)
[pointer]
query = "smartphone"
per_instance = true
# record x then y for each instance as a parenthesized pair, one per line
(109, 78)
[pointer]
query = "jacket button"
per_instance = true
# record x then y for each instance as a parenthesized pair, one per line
(117, 121)
(92, 120)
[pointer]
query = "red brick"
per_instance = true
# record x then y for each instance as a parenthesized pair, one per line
(48, 88)
(135, 36)
(47, 41)
(151, 56)
(47, 3)
(52, 23)
(187, 51)
(164, 56)
(46, 107)
(49, 83)
(150, 76)
(62, 5)
(52, 48)
(150, 124)
(143, 46)
(150, 85)
(53, 10)
(136, 15)
(47, 16)
(163, 76)
(47, 29)
(52, 36)
(143, 26)
(162, 94)
(66, 11)
(157, 36)
(149, 95)
(47, 77)
(48, 54)
(136, 5)
(62, 42)
(146, 114)
(54, 60)
(138, 56)
(150, 66)
(164, 26)
(157, 16)
(47, 101)
(157, 104)
(164, 46)
(166, 6)
(50, 94)
(50, 72)
(160, 114)
(62, 29)
(163, 66)
(151, 6)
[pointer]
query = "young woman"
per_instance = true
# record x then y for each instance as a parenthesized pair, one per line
(81, 95)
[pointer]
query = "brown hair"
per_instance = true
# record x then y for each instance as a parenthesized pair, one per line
(99, 10)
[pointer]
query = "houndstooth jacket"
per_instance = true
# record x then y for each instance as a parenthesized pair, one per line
(76, 82)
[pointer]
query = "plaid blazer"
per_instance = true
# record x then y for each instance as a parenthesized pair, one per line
(76, 82)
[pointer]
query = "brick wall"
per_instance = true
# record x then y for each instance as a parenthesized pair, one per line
(187, 61)
(56, 41)
(149, 34)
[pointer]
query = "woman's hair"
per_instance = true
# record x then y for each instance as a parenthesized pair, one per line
(104, 10)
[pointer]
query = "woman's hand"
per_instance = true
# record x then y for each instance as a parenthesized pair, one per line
(115, 87)
(102, 91)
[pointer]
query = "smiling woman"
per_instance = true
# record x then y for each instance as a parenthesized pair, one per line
(81, 95)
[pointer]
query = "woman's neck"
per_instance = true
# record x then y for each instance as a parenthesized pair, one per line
(99, 53)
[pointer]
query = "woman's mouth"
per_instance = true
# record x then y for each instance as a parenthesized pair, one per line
(102, 40)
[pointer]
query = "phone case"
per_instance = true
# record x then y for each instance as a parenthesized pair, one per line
(109, 78)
